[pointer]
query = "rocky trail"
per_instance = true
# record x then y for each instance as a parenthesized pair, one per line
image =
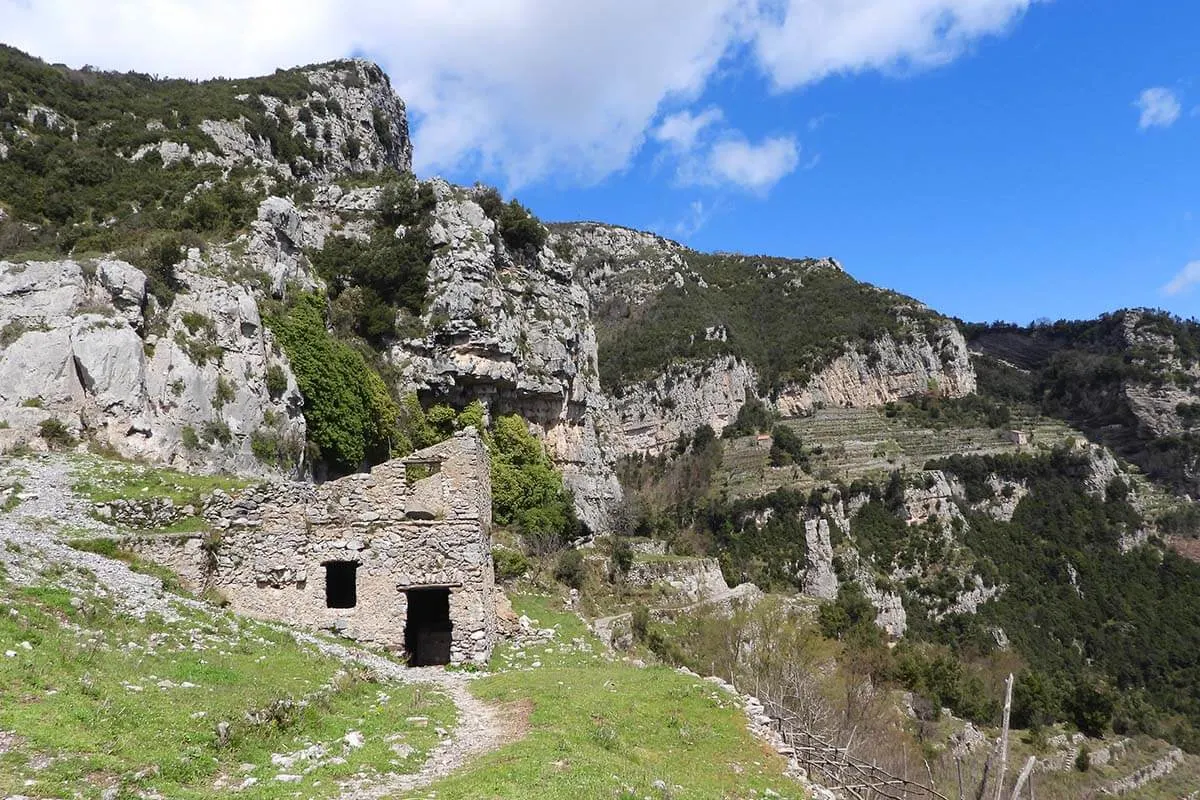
(31, 542)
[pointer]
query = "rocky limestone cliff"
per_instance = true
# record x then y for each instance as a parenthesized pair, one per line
(83, 343)
(887, 370)
(515, 331)
(653, 415)
(350, 118)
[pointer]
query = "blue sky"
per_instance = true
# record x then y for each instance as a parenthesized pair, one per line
(997, 159)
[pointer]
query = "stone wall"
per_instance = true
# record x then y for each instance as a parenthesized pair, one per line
(418, 522)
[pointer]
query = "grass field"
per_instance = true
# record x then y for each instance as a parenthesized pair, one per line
(97, 701)
(598, 727)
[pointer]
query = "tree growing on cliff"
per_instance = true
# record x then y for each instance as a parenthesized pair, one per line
(527, 491)
(350, 414)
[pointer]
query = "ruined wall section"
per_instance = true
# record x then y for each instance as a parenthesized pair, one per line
(421, 521)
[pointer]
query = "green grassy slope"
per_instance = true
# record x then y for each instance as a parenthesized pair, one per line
(602, 728)
(95, 700)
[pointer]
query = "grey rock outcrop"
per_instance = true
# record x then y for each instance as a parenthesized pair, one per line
(692, 579)
(514, 331)
(84, 343)
(887, 370)
(355, 123)
(653, 415)
(820, 580)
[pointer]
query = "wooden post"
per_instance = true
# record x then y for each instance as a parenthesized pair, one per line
(1008, 686)
(987, 767)
(1024, 776)
(958, 763)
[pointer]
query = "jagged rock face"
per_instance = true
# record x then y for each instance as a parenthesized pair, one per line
(933, 498)
(620, 265)
(653, 415)
(623, 270)
(888, 370)
(84, 344)
(514, 331)
(692, 580)
(1156, 405)
(820, 580)
(359, 122)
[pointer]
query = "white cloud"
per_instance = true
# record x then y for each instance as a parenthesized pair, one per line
(802, 41)
(696, 218)
(682, 129)
(738, 162)
(1159, 106)
(524, 89)
(1184, 280)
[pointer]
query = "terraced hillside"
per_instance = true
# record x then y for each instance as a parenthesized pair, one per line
(849, 443)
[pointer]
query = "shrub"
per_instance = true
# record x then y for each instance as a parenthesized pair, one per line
(272, 447)
(277, 382)
(224, 393)
(404, 202)
(55, 433)
(490, 201)
(520, 229)
(786, 448)
(510, 564)
(621, 558)
(1083, 760)
(851, 609)
(191, 440)
(216, 430)
(1091, 707)
(569, 570)
(753, 417)
(157, 258)
(526, 489)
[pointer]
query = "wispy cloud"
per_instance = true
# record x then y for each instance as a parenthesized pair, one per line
(753, 167)
(681, 130)
(1159, 108)
(697, 217)
(1184, 280)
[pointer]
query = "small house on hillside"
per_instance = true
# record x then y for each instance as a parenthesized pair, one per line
(399, 557)
(1019, 438)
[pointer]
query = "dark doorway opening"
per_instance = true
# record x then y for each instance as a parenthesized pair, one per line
(341, 584)
(428, 629)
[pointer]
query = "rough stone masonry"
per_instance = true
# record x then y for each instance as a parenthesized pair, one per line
(399, 556)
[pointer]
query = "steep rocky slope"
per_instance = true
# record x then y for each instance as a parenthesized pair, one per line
(686, 338)
(1130, 379)
(285, 184)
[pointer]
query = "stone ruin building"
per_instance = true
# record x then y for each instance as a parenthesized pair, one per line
(399, 557)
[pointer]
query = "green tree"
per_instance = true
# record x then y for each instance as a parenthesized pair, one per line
(527, 491)
(350, 414)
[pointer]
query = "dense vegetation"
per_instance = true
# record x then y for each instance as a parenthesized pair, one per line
(71, 135)
(787, 318)
(351, 415)
(521, 231)
(527, 490)
(371, 282)
(1089, 620)
(1081, 370)
(1100, 638)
